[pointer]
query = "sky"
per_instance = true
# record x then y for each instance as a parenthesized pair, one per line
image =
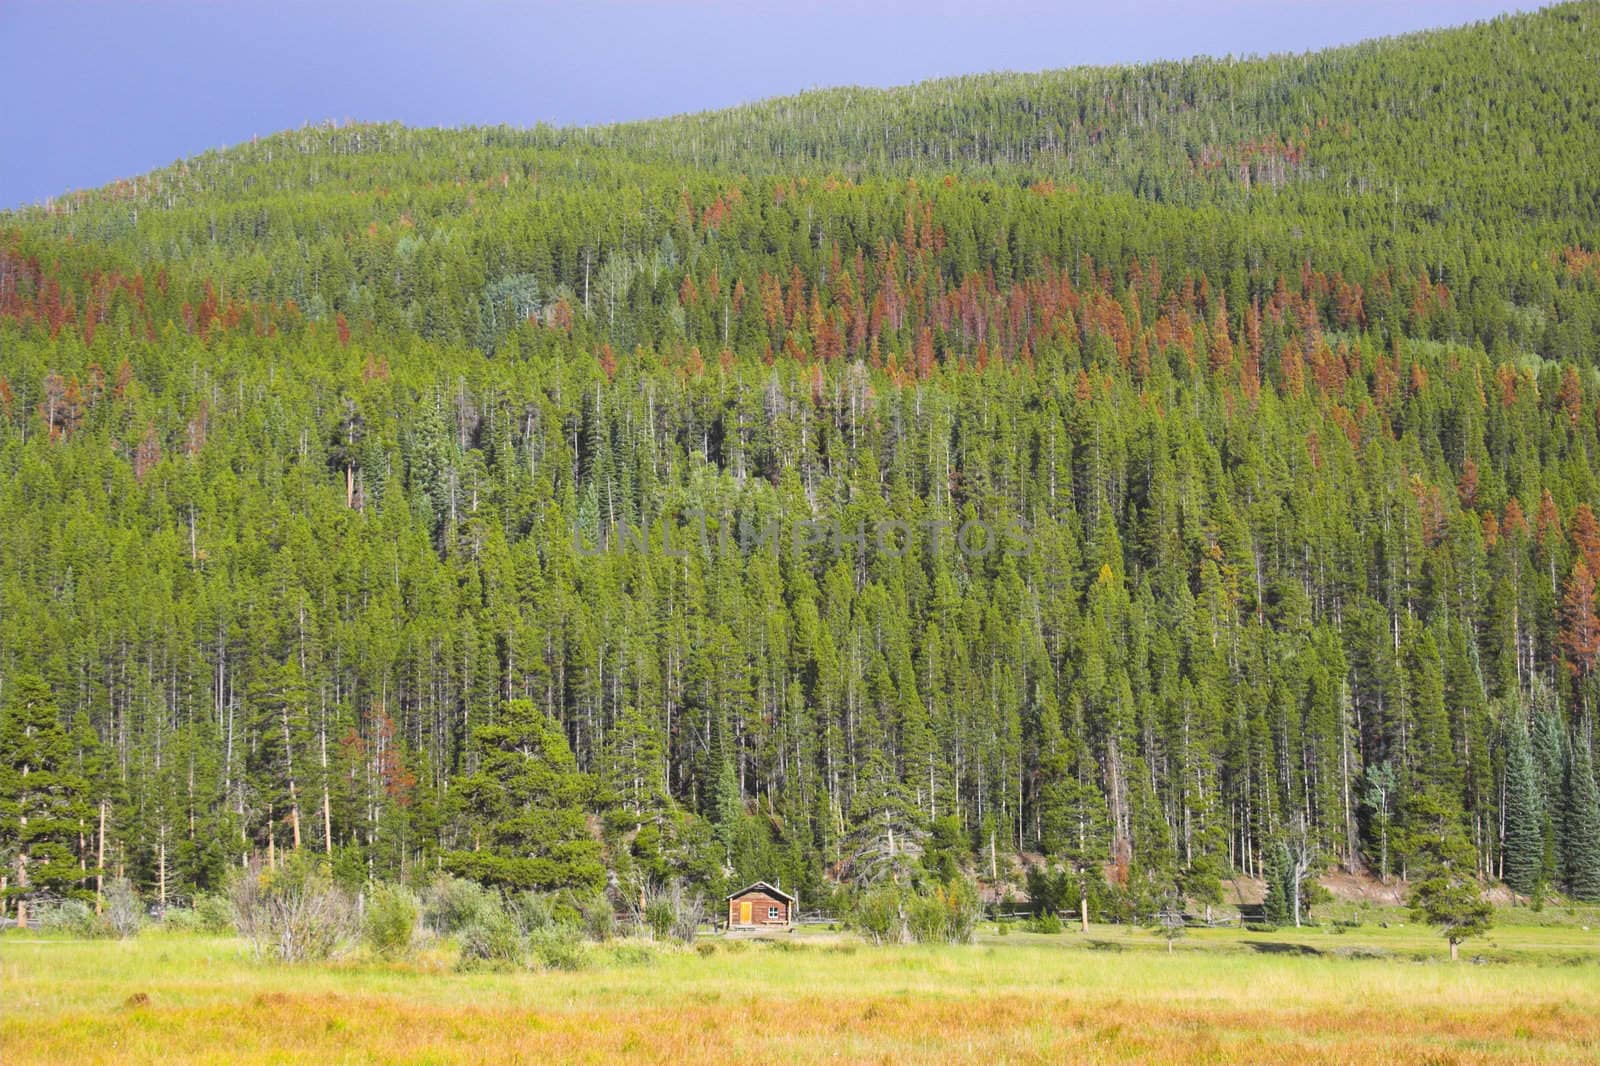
(104, 90)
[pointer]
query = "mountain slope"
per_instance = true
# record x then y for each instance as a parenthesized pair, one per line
(1267, 390)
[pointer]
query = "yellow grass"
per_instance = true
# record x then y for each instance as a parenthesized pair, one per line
(1111, 996)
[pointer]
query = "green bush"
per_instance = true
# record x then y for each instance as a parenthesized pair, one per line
(926, 918)
(534, 911)
(74, 918)
(212, 913)
(451, 904)
(599, 917)
(962, 910)
(492, 941)
(877, 914)
(1048, 922)
(658, 916)
(181, 920)
(391, 921)
(558, 946)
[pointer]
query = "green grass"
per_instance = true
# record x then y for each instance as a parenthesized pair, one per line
(1112, 995)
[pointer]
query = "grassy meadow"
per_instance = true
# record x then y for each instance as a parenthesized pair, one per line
(1368, 995)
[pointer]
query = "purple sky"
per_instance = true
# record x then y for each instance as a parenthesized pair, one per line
(97, 91)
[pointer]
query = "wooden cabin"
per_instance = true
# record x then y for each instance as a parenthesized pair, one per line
(760, 906)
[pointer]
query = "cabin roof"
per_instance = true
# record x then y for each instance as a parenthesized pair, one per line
(761, 886)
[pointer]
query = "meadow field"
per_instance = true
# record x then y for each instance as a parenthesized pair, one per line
(1369, 995)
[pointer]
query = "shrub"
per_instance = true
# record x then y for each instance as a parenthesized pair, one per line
(212, 913)
(124, 914)
(492, 941)
(599, 917)
(878, 914)
(926, 918)
(294, 913)
(1045, 923)
(533, 912)
(658, 916)
(1261, 927)
(557, 946)
(451, 904)
(1167, 918)
(688, 911)
(72, 917)
(670, 910)
(181, 919)
(391, 921)
(962, 910)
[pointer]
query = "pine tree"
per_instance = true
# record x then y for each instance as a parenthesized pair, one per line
(1549, 743)
(524, 807)
(1445, 892)
(1580, 845)
(1278, 908)
(1580, 634)
(887, 836)
(43, 798)
(1522, 856)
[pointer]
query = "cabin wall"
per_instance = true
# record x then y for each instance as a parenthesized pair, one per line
(760, 903)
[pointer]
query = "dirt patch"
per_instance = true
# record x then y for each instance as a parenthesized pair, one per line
(1362, 888)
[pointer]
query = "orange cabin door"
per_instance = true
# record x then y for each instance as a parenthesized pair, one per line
(745, 913)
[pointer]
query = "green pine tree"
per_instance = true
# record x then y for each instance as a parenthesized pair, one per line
(1522, 858)
(1580, 849)
(1445, 890)
(524, 807)
(43, 798)
(1278, 908)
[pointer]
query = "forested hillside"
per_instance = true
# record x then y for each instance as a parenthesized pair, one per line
(513, 501)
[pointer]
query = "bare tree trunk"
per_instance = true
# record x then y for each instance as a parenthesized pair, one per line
(294, 793)
(161, 870)
(1344, 773)
(22, 864)
(22, 886)
(100, 863)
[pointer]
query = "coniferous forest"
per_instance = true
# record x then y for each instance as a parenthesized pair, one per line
(1141, 472)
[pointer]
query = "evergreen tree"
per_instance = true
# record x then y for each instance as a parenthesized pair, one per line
(1522, 857)
(1581, 824)
(1445, 890)
(1550, 760)
(888, 836)
(1278, 908)
(43, 798)
(523, 809)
